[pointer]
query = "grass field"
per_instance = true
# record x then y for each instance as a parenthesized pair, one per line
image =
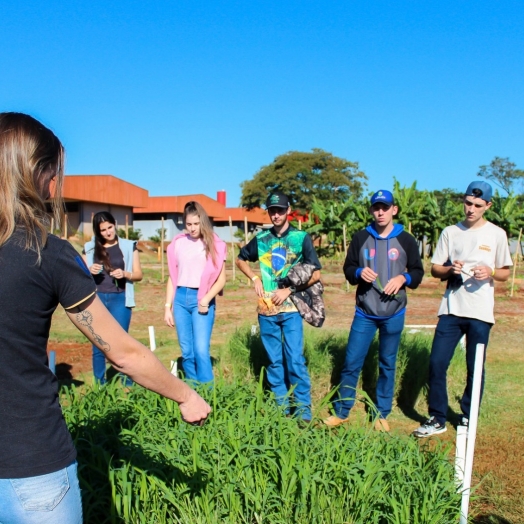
(499, 457)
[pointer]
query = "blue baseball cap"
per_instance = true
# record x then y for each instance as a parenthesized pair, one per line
(382, 196)
(480, 189)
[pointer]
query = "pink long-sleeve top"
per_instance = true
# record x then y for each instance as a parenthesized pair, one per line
(209, 274)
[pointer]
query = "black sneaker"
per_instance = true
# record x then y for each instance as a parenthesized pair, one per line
(464, 421)
(431, 427)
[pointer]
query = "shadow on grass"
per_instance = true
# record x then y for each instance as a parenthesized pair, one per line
(490, 519)
(103, 449)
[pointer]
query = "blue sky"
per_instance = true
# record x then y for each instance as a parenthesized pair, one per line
(185, 97)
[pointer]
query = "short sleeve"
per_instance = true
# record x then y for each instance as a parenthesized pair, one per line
(441, 255)
(72, 281)
(250, 251)
(503, 255)
(309, 254)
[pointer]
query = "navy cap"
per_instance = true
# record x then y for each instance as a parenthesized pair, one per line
(383, 197)
(480, 189)
(277, 199)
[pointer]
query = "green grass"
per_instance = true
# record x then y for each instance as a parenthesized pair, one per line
(250, 463)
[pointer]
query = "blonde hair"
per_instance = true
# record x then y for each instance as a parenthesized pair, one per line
(206, 228)
(30, 156)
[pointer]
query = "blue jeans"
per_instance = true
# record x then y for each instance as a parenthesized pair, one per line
(44, 499)
(116, 305)
(450, 330)
(360, 337)
(194, 334)
(283, 339)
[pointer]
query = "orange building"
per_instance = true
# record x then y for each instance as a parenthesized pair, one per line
(149, 218)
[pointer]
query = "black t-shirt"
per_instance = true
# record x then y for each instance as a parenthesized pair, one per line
(34, 439)
(105, 283)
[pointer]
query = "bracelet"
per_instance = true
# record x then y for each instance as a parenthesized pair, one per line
(203, 305)
(167, 305)
(493, 272)
(254, 277)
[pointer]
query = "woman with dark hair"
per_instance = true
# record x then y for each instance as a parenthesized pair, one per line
(197, 274)
(115, 266)
(38, 470)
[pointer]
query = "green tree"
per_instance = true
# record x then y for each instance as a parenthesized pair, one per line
(502, 173)
(132, 234)
(327, 219)
(506, 213)
(302, 176)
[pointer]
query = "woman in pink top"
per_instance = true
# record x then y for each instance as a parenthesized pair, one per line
(197, 274)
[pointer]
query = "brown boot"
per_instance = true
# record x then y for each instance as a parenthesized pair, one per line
(333, 421)
(381, 424)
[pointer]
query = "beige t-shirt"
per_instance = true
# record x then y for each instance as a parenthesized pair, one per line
(483, 246)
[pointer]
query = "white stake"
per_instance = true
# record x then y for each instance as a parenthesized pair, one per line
(152, 341)
(460, 454)
(472, 432)
(174, 367)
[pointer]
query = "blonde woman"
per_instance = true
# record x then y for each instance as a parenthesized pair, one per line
(197, 274)
(38, 470)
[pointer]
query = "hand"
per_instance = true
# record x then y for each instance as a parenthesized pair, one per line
(118, 274)
(168, 317)
(259, 288)
(195, 409)
(203, 309)
(393, 285)
(481, 272)
(95, 269)
(457, 267)
(280, 295)
(368, 275)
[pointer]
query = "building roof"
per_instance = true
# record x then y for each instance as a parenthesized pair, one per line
(237, 214)
(103, 189)
(175, 204)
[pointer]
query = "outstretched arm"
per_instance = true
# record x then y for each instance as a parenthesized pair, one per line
(135, 360)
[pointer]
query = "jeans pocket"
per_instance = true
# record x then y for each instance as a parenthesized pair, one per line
(42, 493)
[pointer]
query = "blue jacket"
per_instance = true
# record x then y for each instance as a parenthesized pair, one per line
(127, 247)
(396, 254)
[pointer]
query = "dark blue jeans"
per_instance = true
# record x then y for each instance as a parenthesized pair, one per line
(116, 305)
(283, 339)
(360, 337)
(450, 330)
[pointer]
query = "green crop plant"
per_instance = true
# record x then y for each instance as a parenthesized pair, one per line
(139, 463)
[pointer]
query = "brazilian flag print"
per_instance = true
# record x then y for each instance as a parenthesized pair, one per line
(278, 255)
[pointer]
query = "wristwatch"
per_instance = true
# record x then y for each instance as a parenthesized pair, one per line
(293, 289)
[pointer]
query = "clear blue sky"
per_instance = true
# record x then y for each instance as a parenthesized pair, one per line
(187, 97)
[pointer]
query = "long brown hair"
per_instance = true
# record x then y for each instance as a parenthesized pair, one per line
(206, 228)
(30, 156)
(101, 253)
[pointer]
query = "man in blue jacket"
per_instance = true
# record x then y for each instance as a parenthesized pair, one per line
(382, 260)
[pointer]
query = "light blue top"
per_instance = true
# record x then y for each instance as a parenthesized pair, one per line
(127, 248)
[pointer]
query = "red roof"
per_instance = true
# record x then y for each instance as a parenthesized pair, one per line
(104, 189)
(237, 214)
(175, 204)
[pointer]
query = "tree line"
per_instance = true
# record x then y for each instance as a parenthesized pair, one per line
(329, 196)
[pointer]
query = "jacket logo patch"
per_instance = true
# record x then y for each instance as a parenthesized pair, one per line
(393, 253)
(369, 254)
(485, 248)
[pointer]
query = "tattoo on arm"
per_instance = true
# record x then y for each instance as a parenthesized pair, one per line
(85, 319)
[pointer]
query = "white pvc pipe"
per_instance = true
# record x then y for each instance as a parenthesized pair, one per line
(460, 454)
(152, 341)
(174, 367)
(472, 433)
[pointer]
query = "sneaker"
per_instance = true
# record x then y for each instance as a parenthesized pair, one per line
(381, 424)
(464, 421)
(431, 427)
(333, 421)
